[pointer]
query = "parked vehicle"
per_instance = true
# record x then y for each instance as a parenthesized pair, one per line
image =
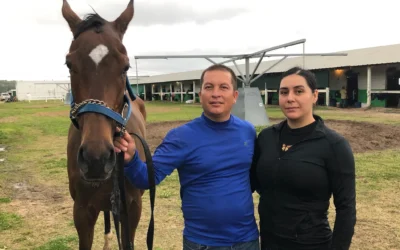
(4, 96)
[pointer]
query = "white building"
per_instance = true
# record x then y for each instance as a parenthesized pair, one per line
(42, 90)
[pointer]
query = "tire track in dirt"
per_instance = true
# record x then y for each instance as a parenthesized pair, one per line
(362, 136)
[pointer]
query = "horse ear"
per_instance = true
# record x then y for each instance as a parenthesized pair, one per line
(122, 22)
(70, 16)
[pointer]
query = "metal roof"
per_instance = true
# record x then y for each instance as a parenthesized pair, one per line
(358, 57)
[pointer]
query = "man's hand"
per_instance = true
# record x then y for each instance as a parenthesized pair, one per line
(125, 144)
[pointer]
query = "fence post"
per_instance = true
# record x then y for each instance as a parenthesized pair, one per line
(327, 101)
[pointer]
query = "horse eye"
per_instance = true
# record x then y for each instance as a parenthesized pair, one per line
(69, 65)
(127, 67)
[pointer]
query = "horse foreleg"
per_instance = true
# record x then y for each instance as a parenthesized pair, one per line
(85, 219)
(134, 213)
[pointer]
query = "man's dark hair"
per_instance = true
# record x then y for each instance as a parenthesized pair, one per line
(308, 75)
(222, 68)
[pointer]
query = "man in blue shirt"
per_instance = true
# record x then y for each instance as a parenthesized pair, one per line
(213, 155)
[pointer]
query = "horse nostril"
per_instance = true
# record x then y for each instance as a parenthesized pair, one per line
(82, 160)
(111, 160)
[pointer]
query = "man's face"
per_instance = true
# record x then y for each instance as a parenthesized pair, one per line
(217, 95)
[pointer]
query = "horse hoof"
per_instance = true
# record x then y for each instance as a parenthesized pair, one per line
(107, 241)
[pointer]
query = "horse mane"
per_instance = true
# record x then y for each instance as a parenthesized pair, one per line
(91, 21)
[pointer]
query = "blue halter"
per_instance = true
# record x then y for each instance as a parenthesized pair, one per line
(98, 106)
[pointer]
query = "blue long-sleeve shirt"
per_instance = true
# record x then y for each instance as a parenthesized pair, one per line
(213, 161)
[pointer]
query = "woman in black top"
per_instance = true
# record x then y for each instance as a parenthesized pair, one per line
(298, 164)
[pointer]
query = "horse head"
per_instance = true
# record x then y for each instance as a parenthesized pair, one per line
(98, 65)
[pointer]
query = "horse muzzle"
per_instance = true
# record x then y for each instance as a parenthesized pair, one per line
(96, 164)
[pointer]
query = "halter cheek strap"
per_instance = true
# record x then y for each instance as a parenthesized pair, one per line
(100, 107)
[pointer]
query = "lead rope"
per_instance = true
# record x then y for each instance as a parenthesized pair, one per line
(118, 196)
(118, 203)
(115, 206)
(119, 188)
(152, 189)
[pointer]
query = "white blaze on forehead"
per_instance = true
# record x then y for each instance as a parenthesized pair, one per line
(98, 53)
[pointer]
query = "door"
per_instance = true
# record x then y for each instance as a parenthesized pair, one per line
(352, 89)
(393, 83)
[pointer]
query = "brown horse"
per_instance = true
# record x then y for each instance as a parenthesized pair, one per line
(98, 64)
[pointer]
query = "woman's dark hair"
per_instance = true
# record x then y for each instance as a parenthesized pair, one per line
(308, 75)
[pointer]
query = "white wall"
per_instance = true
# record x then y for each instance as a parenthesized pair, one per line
(39, 90)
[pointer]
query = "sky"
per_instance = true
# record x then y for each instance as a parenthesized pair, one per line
(35, 38)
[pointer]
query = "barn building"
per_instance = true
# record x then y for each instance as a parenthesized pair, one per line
(374, 68)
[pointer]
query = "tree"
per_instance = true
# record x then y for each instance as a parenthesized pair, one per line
(6, 86)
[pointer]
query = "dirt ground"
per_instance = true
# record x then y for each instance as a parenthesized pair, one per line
(365, 136)
(361, 135)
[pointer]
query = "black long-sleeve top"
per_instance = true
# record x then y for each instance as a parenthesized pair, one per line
(296, 172)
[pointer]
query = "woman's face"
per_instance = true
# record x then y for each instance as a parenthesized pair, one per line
(296, 98)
